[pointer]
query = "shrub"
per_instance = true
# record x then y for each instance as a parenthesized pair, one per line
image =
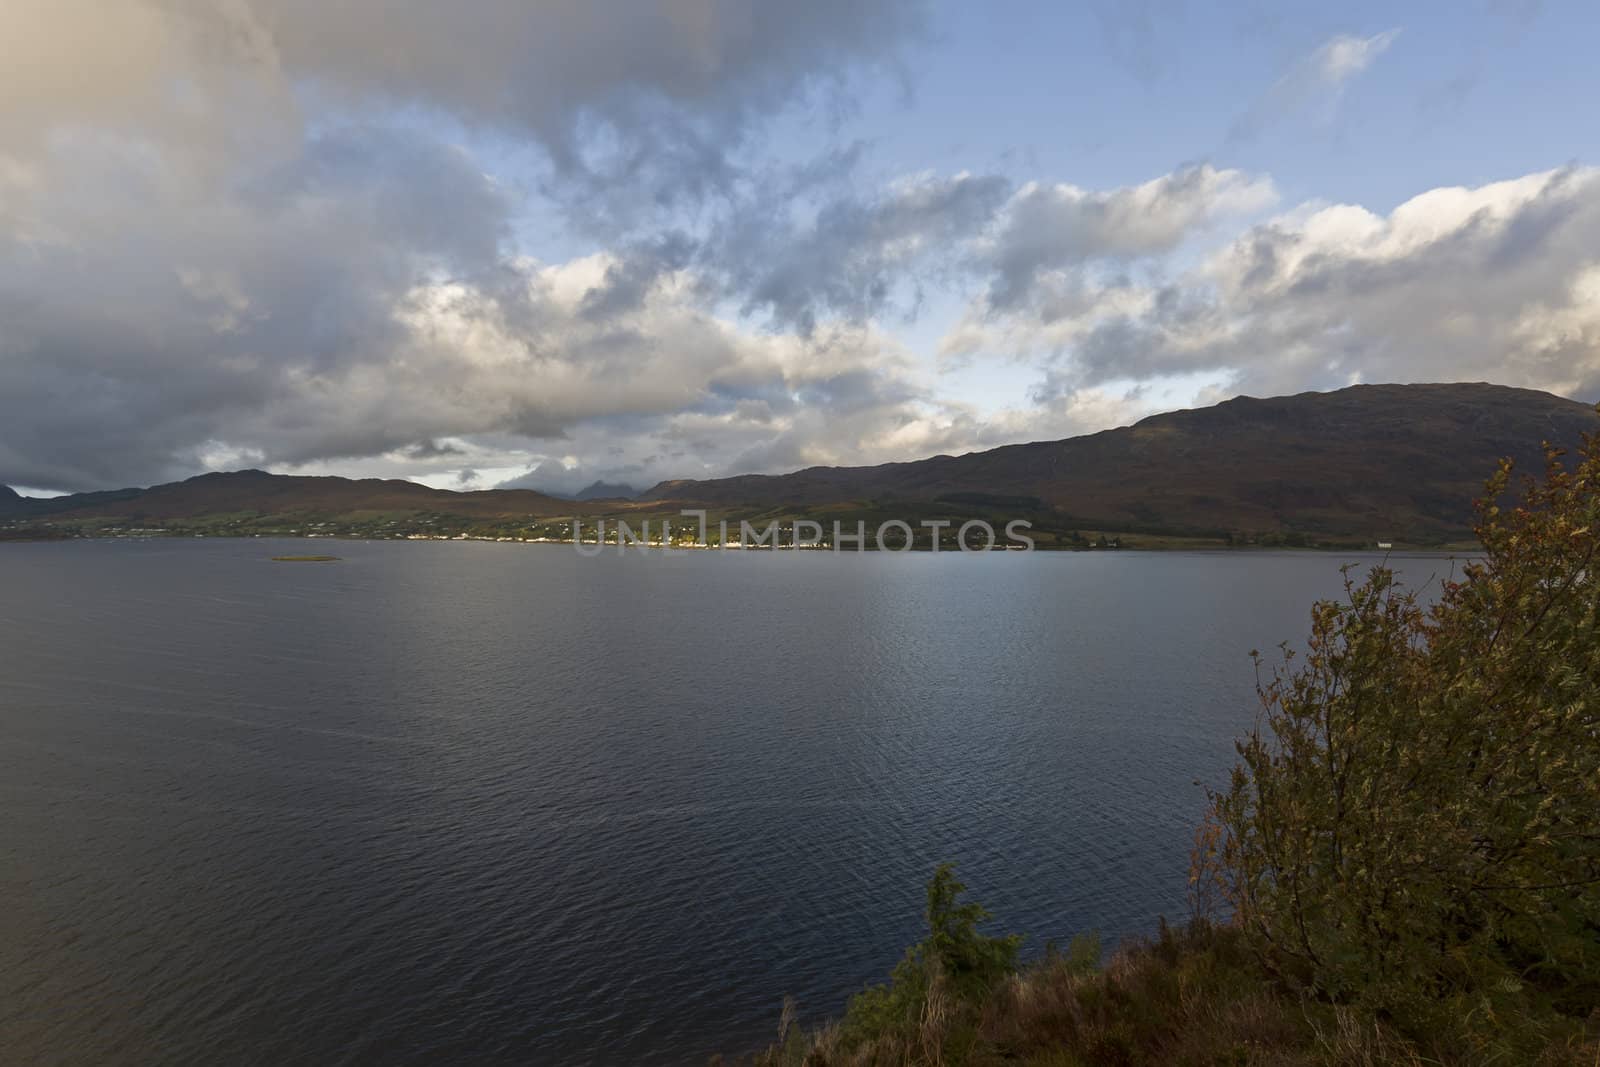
(939, 981)
(1414, 826)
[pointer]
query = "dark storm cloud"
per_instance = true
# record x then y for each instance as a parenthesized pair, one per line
(569, 62)
(640, 107)
(175, 317)
(282, 266)
(615, 91)
(431, 449)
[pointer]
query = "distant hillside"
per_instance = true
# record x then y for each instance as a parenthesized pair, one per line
(1398, 460)
(252, 491)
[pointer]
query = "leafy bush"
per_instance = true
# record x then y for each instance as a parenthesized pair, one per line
(1414, 826)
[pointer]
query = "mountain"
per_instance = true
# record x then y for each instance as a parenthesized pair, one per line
(1400, 462)
(1404, 461)
(606, 491)
(253, 491)
(8, 495)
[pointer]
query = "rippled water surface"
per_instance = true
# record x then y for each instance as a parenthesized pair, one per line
(500, 803)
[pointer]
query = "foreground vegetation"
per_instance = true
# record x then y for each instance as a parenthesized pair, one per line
(1404, 867)
(1188, 996)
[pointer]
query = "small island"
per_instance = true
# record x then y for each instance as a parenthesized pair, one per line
(305, 559)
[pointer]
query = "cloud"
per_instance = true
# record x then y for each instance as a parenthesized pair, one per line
(1049, 227)
(287, 234)
(635, 106)
(250, 233)
(431, 449)
(1342, 57)
(371, 320)
(357, 297)
(1314, 84)
(853, 254)
(1055, 260)
(154, 310)
(800, 260)
(550, 70)
(1498, 282)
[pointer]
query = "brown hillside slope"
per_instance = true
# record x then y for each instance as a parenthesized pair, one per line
(1399, 459)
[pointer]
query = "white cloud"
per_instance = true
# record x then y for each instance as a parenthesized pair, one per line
(1048, 227)
(1344, 56)
(1315, 83)
(1497, 282)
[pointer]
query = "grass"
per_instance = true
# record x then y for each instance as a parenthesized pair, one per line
(305, 559)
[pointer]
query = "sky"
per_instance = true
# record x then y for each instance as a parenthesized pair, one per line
(494, 243)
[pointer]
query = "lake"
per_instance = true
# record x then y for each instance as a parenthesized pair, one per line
(502, 803)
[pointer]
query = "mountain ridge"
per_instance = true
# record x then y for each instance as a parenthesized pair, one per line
(257, 491)
(1384, 461)
(1360, 459)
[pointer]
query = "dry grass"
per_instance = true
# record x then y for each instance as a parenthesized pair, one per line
(1187, 998)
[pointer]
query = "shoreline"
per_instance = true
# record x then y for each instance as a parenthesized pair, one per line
(1161, 545)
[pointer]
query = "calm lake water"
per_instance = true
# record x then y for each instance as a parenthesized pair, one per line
(500, 803)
